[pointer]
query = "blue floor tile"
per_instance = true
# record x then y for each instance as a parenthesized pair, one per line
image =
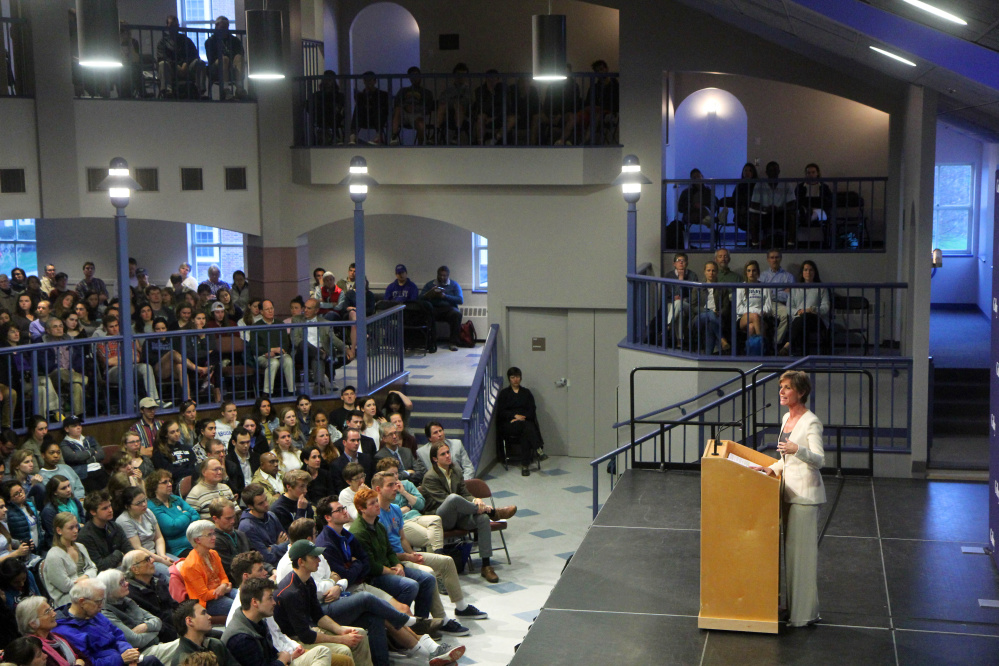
(504, 493)
(487, 477)
(590, 507)
(547, 534)
(421, 376)
(504, 588)
(473, 355)
(554, 472)
(526, 513)
(579, 489)
(528, 616)
(565, 556)
(418, 367)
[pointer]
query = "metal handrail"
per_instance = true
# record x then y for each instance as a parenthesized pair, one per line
(770, 285)
(479, 401)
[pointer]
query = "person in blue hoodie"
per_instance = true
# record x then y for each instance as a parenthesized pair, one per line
(444, 296)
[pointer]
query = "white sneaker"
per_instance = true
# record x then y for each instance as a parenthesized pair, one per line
(438, 655)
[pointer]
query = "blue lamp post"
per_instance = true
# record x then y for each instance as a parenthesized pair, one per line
(631, 181)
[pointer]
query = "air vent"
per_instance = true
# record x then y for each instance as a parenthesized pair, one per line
(95, 177)
(474, 312)
(235, 178)
(148, 179)
(12, 181)
(190, 179)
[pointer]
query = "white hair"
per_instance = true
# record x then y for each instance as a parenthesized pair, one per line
(385, 428)
(111, 580)
(199, 528)
(132, 558)
(86, 588)
(27, 614)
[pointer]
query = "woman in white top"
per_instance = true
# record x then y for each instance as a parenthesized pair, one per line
(353, 474)
(287, 455)
(371, 423)
(753, 304)
(142, 530)
(802, 455)
(67, 560)
(809, 311)
(289, 419)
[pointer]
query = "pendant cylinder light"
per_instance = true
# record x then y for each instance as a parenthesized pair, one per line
(549, 47)
(265, 59)
(97, 31)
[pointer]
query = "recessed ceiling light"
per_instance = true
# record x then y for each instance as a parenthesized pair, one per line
(893, 56)
(936, 11)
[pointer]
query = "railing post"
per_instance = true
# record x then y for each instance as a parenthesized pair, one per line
(361, 292)
(126, 355)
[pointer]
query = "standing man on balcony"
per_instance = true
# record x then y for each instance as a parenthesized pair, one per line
(777, 275)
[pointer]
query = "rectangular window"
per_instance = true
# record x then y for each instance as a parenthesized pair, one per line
(191, 179)
(480, 262)
(221, 247)
(95, 177)
(17, 246)
(12, 181)
(235, 178)
(954, 208)
(148, 179)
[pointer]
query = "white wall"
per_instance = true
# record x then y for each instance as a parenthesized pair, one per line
(20, 151)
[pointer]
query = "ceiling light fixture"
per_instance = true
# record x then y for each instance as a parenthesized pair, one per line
(893, 56)
(936, 11)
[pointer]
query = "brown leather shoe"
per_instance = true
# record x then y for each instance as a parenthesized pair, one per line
(489, 574)
(504, 512)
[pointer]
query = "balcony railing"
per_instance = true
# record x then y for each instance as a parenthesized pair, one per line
(832, 214)
(313, 57)
(16, 79)
(85, 376)
(486, 385)
(823, 319)
(457, 110)
(156, 66)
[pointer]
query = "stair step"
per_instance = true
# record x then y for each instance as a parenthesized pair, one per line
(423, 391)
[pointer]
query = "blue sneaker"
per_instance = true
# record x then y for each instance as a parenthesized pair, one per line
(455, 628)
(470, 613)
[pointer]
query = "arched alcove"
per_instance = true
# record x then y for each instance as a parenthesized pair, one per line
(384, 38)
(709, 133)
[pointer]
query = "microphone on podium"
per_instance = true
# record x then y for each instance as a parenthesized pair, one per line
(714, 451)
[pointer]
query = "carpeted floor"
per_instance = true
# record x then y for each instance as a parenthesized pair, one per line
(959, 339)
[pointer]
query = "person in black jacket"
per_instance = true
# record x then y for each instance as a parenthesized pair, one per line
(293, 503)
(229, 542)
(517, 420)
(104, 539)
(239, 467)
(173, 455)
(149, 592)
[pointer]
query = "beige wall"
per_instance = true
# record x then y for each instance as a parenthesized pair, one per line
(20, 151)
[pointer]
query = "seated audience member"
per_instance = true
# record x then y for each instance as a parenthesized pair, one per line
(154, 297)
(814, 198)
(371, 112)
(225, 58)
(390, 440)
(140, 627)
(239, 466)
(354, 475)
(148, 426)
(262, 528)
(271, 349)
(351, 443)
(179, 63)
(16, 583)
(434, 432)
(142, 530)
(131, 446)
(240, 290)
(517, 419)
(347, 283)
(445, 494)
(386, 486)
(65, 364)
(34, 441)
(776, 275)
(37, 619)
(58, 499)
(67, 560)
(91, 285)
(403, 290)
(711, 308)
(343, 552)
(487, 109)
(300, 616)
(318, 342)
(293, 504)
(24, 651)
(319, 484)
(149, 591)
(358, 419)
(204, 577)
(229, 542)
(326, 110)
(414, 105)
(752, 305)
(739, 203)
(776, 207)
(90, 633)
(43, 310)
(348, 398)
(678, 309)
(229, 422)
(109, 354)
(406, 439)
(23, 520)
(722, 260)
(83, 454)
(193, 623)
(369, 411)
(209, 487)
(600, 106)
(173, 513)
(284, 445)
(523, 112)
(22, 469)
(444, 296)
(453, 109)
(206, 434)
(268, 477)
(103, 538)
(422, 531)
(47, 280)
(172, 454)
(214, 283)
(188, 282)
(809, 310)
(558, 110)
(697, 203)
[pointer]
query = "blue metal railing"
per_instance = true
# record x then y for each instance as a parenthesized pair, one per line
(864, 405)
(852, 319)
(208, 365)
(457, 110)
(825, 214)
(313, 57)
(478, 410)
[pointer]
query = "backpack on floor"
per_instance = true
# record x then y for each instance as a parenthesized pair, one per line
(461, 553)
(467, 336)
(754, 345)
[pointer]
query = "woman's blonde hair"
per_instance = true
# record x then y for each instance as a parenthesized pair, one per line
(799, 382)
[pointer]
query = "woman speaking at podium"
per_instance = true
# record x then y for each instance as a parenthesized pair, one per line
(802, 455)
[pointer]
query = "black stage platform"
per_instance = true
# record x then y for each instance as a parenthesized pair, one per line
(894, 586)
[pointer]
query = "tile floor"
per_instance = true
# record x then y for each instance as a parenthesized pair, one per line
(553, 515)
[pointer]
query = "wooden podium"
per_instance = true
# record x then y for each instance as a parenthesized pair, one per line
(740, 541)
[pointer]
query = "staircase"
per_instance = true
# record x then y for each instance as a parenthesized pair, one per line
(960, 419)
(436, 403)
